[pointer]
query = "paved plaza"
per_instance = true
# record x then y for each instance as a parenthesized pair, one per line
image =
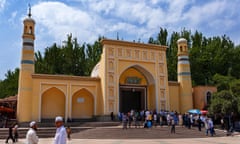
(159, 135)
(211, 140)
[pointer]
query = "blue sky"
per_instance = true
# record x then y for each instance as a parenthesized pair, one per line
(131, 19)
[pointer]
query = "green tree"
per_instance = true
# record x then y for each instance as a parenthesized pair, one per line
(9, 86)
(172, 56)
(70, 59)
(93, 55)
(227, 99)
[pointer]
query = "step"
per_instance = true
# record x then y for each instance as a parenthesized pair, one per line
(46, 130)
(41, 132)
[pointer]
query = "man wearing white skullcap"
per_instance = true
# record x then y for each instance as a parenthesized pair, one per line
(61, 134)
(31, 136)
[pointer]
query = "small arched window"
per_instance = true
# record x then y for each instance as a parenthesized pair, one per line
(181, 49)
(208, 97)
(30, 30)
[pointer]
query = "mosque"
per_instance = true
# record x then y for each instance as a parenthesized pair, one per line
(129, 75)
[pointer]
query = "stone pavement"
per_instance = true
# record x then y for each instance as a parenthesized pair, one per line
(159, 135)
(142, 133)
(210, 140)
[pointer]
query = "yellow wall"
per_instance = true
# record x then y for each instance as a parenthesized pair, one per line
(199, 95)
(47, 89)
(53, 103)
(151, 100)
(174, 96)
(82, 104)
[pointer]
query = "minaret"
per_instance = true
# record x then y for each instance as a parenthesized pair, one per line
(184, 76)
(24, 105)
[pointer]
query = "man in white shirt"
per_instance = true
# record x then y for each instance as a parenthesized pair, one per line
(61, 134)
(31, 136)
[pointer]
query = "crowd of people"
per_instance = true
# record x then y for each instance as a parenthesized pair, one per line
(149, 119)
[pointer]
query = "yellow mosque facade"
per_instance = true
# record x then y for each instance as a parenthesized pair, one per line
(129, 76)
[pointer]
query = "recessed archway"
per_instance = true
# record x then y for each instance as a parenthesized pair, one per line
(82, 104)
(136, 89)
(53, 104)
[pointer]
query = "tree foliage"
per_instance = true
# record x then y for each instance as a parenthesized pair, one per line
(227, 99)
(9, 86)
(208, 56)
(70, 59)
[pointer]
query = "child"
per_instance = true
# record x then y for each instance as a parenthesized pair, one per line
(173, 126)
(69, 132)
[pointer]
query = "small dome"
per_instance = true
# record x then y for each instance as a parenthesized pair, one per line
(29, 19)
(182, 40)
(95, 71)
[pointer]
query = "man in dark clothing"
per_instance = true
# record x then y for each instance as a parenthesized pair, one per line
(112, 116)
(10, 135)
(199, 121)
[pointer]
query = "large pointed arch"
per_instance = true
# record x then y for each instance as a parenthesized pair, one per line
(53, 103)
(149, 77)
(137, 95)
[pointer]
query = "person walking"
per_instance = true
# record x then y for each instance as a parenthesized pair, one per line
(206, 126)
(210, 126)
(61, 134)
(31, 137)
(124, 121)
(15, 131)
(155, 119)
(173, 125)
(69, 131)
(10, 135)
(199, 121)
(222, 123)
(180, 118)
(112, 116)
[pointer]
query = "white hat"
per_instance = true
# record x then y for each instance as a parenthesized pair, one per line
(58, 119)
(32, 123)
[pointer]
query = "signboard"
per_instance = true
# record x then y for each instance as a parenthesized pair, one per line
(80, 100)
(133, 80)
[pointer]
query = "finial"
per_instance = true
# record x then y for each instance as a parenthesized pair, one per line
(29, 10)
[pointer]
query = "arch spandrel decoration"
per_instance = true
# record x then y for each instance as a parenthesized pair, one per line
(90, 88)
(46, 87)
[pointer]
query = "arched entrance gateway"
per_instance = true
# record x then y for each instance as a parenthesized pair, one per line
(136, 89)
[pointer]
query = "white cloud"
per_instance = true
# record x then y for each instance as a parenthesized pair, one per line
(138, 19)
(214, 17)
(2, 4)
(12, 19)
(57, 20)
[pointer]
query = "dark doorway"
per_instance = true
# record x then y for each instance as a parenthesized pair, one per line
(131, 98)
